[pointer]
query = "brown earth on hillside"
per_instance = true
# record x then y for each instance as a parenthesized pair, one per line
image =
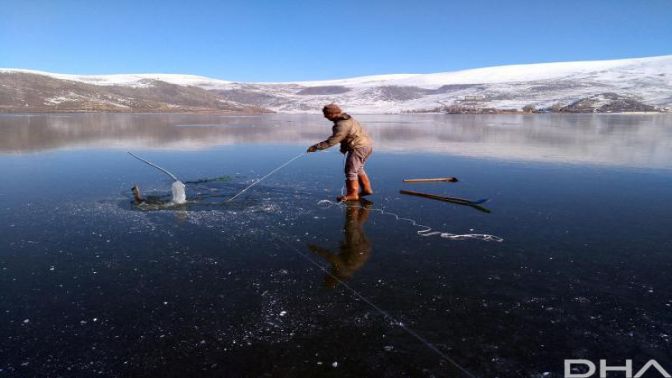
(26, 92)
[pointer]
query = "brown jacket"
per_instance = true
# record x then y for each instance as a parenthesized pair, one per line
(349, 133)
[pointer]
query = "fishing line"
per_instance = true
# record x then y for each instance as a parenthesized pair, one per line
(267, 175)
(155, 166)
(425, 230)
(384, 313)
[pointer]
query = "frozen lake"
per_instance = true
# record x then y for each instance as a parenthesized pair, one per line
(280, 282)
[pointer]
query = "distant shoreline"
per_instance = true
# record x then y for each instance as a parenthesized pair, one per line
(208, 112)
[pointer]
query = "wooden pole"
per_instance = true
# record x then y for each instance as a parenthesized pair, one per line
(439, 179)
(455, 200)
(435, 197)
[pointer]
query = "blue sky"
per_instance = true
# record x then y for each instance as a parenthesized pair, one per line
(309, 40)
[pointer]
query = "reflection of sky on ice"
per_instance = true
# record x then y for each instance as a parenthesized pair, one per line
(233, 287)
(639, 140)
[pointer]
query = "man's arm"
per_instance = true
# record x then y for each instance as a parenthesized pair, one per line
(339, 132)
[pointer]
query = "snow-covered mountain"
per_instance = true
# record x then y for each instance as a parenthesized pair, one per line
(612, 85)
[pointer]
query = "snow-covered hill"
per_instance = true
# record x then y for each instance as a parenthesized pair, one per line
(561, 86)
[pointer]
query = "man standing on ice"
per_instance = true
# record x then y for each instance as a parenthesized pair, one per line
(358, 146)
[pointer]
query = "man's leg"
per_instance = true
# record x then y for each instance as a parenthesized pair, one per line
(352, 164)
(364, 183)
(362, 177)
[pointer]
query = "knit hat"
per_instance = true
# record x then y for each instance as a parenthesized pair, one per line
(332, 109)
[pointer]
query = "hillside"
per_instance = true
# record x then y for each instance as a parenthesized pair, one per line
(643, 84)
(31, 92)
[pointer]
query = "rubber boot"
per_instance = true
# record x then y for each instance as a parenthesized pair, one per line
(352, 191)
(365, 184)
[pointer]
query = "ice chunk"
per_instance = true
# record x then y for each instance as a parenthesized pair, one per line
(179, 196)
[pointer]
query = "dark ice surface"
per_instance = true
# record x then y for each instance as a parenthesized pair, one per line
(280, 282)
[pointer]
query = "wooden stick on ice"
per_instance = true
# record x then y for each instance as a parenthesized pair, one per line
(458, 201)
(440, 179)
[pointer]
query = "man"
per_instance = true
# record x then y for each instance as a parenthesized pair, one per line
(358, 146)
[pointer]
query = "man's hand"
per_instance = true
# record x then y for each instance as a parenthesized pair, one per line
(312, 148)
